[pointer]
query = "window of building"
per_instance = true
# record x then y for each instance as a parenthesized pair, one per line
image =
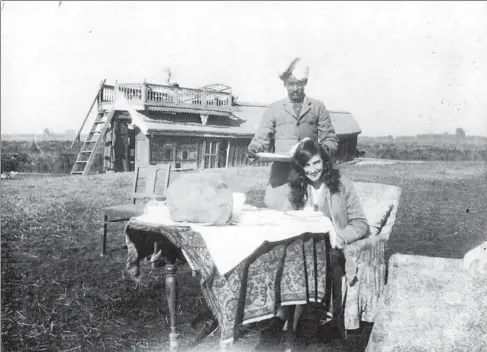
(161, 151)
(168, 153)
(211, 154)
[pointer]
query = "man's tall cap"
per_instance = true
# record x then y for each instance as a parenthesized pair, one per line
(298, 68)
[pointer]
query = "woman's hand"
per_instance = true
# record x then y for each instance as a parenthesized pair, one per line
(340, 242)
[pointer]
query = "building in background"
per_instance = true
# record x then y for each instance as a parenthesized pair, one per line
(189, 128)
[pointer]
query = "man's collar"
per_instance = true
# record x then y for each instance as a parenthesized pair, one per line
(305, 100)
(288, 106)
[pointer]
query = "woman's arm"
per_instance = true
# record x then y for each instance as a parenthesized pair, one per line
(357, 226)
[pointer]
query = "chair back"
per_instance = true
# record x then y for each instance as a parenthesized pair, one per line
(156, 182)
(380, 203)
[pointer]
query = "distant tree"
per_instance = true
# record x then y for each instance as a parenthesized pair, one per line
(460, 132)
(34, 147)
(46, 132)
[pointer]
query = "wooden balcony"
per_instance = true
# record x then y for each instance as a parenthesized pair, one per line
(148, 96)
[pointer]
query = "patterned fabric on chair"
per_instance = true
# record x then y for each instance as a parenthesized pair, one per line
(380, 203)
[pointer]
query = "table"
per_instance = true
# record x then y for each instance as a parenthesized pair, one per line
(293, 271)
(430, 304)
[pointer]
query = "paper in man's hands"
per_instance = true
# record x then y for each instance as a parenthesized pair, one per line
(264, 156)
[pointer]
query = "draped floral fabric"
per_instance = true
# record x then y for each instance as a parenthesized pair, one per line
(294, 271)
(431, 304)
(263, 276)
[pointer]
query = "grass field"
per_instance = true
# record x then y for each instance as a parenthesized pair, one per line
(59, 295)
(56, 156)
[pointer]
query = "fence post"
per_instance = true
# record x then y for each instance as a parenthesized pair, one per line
(144, 93)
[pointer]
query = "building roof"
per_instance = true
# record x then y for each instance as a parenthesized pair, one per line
(251, 115)
(344, 123)
(157, 126)
(188, 110)
(248, 114)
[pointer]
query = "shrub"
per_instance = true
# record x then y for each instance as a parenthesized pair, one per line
(48, 157)
(13, 161)
(413, 151)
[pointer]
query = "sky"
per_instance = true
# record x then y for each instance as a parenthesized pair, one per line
(401, 68)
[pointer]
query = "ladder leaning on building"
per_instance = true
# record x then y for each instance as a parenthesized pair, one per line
(88, 151)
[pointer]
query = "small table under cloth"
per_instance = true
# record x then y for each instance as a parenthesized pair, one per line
(430, 304)
(293, 264)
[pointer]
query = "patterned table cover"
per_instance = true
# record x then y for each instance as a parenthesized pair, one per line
(293, 271)
(380, 203)
(430, 304)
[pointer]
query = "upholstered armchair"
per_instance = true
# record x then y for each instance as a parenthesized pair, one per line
(380, 203)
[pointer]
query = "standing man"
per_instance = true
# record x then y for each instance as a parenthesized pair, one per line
(285, 123)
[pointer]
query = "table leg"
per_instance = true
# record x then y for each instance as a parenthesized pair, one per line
(172, 300)
(290, 333)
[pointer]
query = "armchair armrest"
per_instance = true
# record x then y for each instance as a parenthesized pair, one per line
(380, 203)
(382, 216)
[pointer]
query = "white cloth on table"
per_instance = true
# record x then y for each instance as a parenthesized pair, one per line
(229, 245)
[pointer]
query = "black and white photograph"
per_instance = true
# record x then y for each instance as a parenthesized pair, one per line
(240, 176)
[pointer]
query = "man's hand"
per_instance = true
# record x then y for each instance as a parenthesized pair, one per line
(252, 151)
(251, 157)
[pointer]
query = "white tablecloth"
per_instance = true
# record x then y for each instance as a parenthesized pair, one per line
(230, 244)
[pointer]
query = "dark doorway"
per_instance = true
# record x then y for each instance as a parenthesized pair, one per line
(222, 154)
(124, 147)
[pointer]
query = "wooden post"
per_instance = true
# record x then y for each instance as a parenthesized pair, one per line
(175, 91)
(217, 153)
(228, 152)
(115, 92)
(204, 101)
(203, 153)
(239, 155)
(144, 93)
(172, 301)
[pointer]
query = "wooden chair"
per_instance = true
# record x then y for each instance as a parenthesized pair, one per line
(119, 213)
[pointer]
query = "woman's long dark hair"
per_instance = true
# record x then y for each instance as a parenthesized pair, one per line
(298, 180)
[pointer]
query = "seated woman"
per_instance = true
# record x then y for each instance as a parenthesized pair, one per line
(316, 184)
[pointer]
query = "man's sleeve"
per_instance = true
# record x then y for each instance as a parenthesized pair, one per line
(265, 130)
(326, 133)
